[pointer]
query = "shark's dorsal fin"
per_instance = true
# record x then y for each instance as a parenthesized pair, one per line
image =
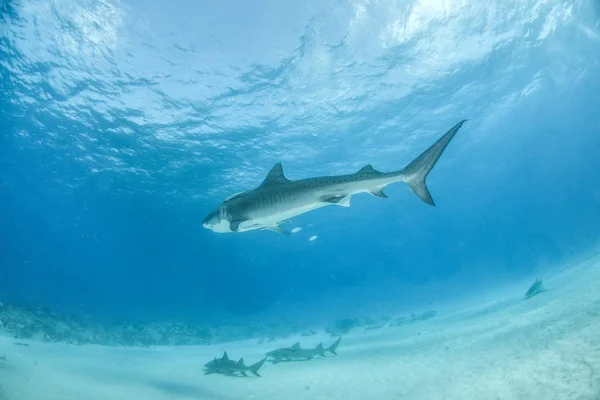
(368, 169)
(240, 363)
(320, 346)
(225, 356)
(296, 346)
(275, 176)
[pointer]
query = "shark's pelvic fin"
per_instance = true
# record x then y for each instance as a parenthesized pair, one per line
(255, 367)
(275, 176)
(378, 192)
(416, 172)
(338, 200)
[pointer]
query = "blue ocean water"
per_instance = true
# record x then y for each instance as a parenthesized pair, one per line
(123, 123)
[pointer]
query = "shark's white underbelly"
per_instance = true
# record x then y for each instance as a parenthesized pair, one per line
(276, 215)
(276, 218)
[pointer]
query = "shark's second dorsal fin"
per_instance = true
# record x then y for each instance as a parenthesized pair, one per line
(225, 356)
(241, 362)
(368, 169)
(275, 176)
(296, 345)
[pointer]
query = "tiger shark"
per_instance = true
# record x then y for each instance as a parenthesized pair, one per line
(279, 199)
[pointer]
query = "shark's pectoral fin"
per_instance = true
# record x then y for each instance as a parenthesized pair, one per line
(235, 224)
(338, 200)
(378, 192)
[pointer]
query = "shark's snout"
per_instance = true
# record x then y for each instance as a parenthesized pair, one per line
(217, 221)
(211, 220)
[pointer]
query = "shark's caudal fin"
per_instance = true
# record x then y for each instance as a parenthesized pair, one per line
(255, 367)
(334, 346)
(416, 172)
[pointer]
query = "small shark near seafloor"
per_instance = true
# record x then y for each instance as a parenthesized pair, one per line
(279, 199)
(535, 289)
(296, 353)
(228, 367)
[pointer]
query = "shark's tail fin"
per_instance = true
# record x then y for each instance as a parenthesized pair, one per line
(334, 346)
(416, 172)
(255, 367)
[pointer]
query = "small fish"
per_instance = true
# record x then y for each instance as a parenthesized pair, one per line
(312, 238)
(279, 199)
(296, 230)
(3, 358)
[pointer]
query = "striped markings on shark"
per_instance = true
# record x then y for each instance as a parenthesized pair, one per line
(279, 199)
(297, 353)
(225, 366)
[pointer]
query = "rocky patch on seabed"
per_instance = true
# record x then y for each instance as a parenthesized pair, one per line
(43, 325)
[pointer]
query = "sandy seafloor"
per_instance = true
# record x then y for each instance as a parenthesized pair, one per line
(546, 347)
